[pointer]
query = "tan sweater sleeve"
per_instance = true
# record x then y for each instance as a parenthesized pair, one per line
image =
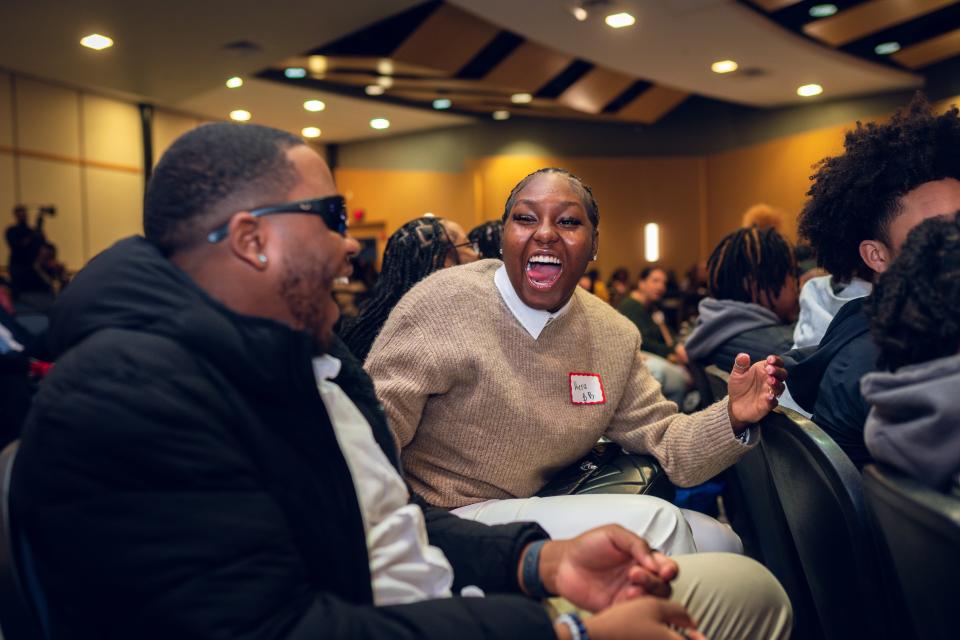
(403, 366)
(692, 448)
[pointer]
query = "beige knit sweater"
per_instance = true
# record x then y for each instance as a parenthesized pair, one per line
(482, 410)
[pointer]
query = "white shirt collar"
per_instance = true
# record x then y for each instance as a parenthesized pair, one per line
(533, 320)
(326, 367)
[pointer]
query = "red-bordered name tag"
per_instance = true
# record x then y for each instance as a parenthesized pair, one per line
(586, 388)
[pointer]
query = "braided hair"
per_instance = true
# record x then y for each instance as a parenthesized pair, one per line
(413, 252)
(585, 193)
(748, 262)
(915, 307)
(487, 238)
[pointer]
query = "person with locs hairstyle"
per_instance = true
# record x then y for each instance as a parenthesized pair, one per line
(496, 375)
(207, 460)
(752, 275)
(891, 176)
(914, 419)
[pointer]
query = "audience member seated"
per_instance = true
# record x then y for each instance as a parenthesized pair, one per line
(591, 282)
(486, 238)
(207, 460)
(763, 216)
(862, 204)
(753, 299)
(665, 358)
(618, 286)
(497, 375)
(914, 421)
(413, 252)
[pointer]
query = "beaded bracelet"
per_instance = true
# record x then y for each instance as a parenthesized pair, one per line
(578, 631)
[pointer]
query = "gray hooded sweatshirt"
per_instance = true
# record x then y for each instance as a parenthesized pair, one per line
(728, 327)
(914, 420)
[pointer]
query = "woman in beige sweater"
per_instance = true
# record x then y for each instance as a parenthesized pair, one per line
(494, 376)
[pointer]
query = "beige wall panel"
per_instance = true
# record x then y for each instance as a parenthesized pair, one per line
(7, 200)
(529, 67)
(6, 111)
(594, 91)
(396, 197)
(114, 206)
(167, 127)
(447, 40)
(48, 118)
(652, 104)
(57, 183)
(112, 132)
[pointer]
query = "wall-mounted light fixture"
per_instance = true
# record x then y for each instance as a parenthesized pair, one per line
(651, 242)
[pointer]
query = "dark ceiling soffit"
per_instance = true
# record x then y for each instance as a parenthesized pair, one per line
(381, 38)
(911, 32)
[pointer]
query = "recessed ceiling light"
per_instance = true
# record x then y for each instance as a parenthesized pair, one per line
(235, 82)
(310, 132)
(317, 64)
(579, 13)
(96, 41)
(501, 114)
(886, 48)
(314, 105)
(295, 73)
(385, 67)
(380, 123)
(809, 90)
(521, 98)
(723, 66)
(822, 10)
(442, 103)
(620, 20)
(385, 81)
(374, 90)
(240, 115)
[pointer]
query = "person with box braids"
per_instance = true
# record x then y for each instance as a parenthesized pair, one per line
(413, 252)
(752, 275)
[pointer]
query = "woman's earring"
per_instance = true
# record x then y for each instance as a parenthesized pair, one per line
(501, 250)
(594, 257)
(262, 258)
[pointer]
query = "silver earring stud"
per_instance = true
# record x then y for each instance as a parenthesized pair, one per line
(594, 257)
(262, 258)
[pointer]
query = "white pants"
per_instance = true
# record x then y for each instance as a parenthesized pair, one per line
(665, 527)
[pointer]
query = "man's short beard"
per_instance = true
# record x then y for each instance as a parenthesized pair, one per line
(301, 288)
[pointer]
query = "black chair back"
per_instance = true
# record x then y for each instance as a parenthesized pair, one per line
(921, 529)
(821, 493)
(755, 513)
(19, 616)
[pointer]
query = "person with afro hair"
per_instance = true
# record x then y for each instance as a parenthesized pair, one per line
(891, 177)
(914, 421)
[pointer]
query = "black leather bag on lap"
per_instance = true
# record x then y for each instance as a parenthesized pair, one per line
(608, 469)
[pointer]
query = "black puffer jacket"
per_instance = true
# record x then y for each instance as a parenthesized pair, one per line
(179, 478)
(825, 380)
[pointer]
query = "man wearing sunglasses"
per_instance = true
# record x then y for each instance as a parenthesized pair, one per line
(207, 461)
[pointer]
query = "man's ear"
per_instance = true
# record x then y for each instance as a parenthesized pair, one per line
(247, 239)
(876, 255)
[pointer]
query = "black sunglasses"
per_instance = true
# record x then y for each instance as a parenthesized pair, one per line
(333, 210)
